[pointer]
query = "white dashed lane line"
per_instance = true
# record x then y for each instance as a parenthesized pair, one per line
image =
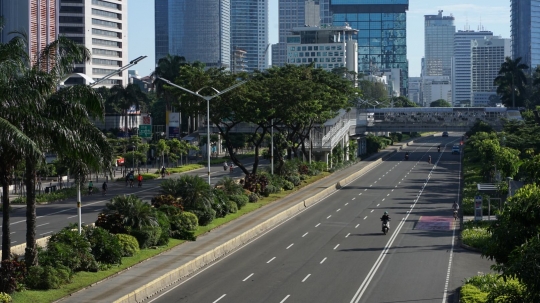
(347, 235)
(42, 224)
(336, 247)
(306, 278)
(247, 278)
(328, 217)
(357, 225)
(317, 225)
(289, 246)
(270, 260)
(285, 299)
(219, 298)
(323, 260)
(304, 235)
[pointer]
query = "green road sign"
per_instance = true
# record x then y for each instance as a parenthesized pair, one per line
(145, 131)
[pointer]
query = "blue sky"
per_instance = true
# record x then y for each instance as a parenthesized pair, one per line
(492, 15)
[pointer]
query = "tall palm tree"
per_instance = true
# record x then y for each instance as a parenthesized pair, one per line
(511, 81)
(169, 68)
(127, 97)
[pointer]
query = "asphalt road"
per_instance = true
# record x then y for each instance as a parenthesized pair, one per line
(335, 251)
(55, 216)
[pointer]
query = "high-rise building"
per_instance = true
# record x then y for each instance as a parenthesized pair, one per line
(438, 44)
(297, 13)
(101, 26)
(461, 64)
(382, 33)
(415, 90)
(36, 18)
(487, 55)
(249, 31)
(525, 31)
(196, 30)
(327, 48)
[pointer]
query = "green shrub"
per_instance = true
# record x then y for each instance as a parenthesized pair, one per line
(471, 294)
(288, 185)
(219, 204)
(278, 182)
(253, 197)
(241, 200)
(70, 249)
(165, 226)
(233, 208)
(5, 298)
(304, 177)
(492, 288)
(184, 225)
(129, 245)
(105, 246)
(169, 200)
(270, 189)
(47, 277)
(295, 180)
(314, 172)
(147, 236)
(229, 186)
(12, 274)
(475, 234)
(205, 217)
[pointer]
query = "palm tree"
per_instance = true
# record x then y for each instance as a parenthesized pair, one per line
(169, 68)
(127, 97)
(134, 213)
(511, 79)
(193, 190)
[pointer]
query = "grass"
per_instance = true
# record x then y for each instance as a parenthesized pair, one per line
(172, 170)
(475, 234)
(84, 279)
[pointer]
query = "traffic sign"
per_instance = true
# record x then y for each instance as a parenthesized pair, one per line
(145, 131)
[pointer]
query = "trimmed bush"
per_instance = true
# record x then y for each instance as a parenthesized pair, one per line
(253, 197)
(129, 245)
(47, 277)
(314, 172)
(165, 226)
(205, 217)
(5, 298)
(12, 274)
(220, 204)
(233, 208)
(184, 225)
(105, 246)
(295, 180)
(241, 200)
(69, 249)
(147, 236)
(270, 189)
(229, 186)
(304, 177)
(288, 185)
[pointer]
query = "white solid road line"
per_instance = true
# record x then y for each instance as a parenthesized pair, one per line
(219, 298)
(247, 278)
(306, 278)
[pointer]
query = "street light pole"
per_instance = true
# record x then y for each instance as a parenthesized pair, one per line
(272, 149)
(207, 98)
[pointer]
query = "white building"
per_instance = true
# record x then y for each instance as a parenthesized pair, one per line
(487, 55)
(101, 26)
(461, 64)
(435, 88)
(415, 90)
(393, 79)
(327, 47)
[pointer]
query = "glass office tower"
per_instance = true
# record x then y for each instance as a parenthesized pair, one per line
(525, 32)
(161, 8)
(382, 36)
(199, 30)
(439, 34)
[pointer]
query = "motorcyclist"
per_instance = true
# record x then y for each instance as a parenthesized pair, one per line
(140, 178)
(104, 187)
(455, 207)
(439, 148)
(225, 166)
(386, 219)
(407, 156)
(429, 159)
(131, 177)
(90, 187)
(163, 172)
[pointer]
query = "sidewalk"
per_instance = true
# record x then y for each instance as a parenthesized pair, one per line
(148, 271)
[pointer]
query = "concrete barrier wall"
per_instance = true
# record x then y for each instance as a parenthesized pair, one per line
(19, 249)
(173, 276)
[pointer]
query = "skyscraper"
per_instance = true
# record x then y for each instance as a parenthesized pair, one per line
(36, 18)
(249, 31)
(199, 30)
(101, 26)
(439, 44)
(461, 63)
(525, 31)
(487, 55)
(382, 36)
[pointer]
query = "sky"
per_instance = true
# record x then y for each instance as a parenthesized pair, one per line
(491, 15)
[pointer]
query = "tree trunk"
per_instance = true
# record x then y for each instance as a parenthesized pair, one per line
(30, 254)
(6, 240)
(126, 124)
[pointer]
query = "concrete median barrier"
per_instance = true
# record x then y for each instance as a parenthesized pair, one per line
(158, 285)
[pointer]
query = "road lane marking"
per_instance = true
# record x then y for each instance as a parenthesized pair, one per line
(378, 205)
(306, 278)
(338, 210)
(347, 203)
(72, 216)
(328, 217)
(375, 182)
(371, 185)
(383, 199)
(304, 235)
(392, 189)
(372, 210)
(219, 298)
(289, 246)
(41, 224)
(347, 235)
(247, 278)
(11, 233)
(285, 299)
(45, 233)
(270, 260)
(388, 195)
(317, 225)
(365, 217)
(365, 189)
(13, 242)
(323, 260)
(357, 225)
(336, 247)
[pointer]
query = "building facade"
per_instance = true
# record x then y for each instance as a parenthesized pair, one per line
(415, 90)
(196, 30)
(38, 19)
(487, 55)
(326, 47)
(525, 31)
(249, 31)
(435, 88)
(382, 33)
(101, 26)
(461, 64)
(438, 45)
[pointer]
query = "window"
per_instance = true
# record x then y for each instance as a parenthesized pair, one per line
(105, 52)
(102, 71)
(71, 29)
(68, 19)
(71, 9)
(106, 23)
(99, 12)
(106, 62)
(106, 42)
(105, 4)
(101, 32)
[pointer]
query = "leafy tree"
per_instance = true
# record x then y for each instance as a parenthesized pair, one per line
(531, 170)
(372, 90)
(403, 101)
(195, 193)
(440, 103)
(511, 82)
(162, 149)
(127, 97)
(507, 161)
(168, 68)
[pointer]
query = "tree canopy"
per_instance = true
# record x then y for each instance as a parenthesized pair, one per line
(440, 103)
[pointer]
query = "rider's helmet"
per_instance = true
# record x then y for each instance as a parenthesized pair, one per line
(386, 213)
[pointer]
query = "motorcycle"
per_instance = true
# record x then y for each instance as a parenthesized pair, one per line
(385, 226)
(406, 156)
(455, 214)
(438, 149)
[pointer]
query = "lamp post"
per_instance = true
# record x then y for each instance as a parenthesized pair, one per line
(272, 149)
(207, 98)
(92, 84)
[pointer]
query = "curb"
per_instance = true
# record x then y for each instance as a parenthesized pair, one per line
(158, 285)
